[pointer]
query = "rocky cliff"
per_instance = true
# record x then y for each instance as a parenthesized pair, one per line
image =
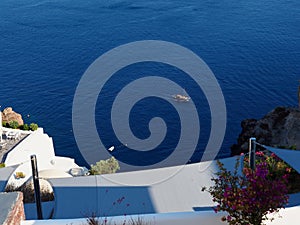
(280, 127)
(8, 115)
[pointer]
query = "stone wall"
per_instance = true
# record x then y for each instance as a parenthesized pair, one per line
(11, 208)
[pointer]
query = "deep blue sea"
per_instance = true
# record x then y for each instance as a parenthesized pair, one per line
(252, 47)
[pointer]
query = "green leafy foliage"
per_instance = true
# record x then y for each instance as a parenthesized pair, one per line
(33, 126)
(14, 124)
(110, 165)
(94, 220)
(24, 127)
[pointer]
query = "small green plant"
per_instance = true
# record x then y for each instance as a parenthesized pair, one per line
(2, 165)
(24, 127)
(33, 126)
(110, 165)
(19, 175)
(138, 221)
(94, 220)
(14, 124)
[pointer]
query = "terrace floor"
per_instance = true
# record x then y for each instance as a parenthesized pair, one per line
(8, 144)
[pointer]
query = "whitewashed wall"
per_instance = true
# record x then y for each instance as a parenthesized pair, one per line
(288, 216)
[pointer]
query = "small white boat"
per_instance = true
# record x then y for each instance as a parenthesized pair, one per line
(111, 148)
(181, 98)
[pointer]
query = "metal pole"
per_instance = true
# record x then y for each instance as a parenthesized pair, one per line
(252, 149)
(36, 183)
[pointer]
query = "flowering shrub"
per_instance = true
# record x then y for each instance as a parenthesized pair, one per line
(250, 197)
(277, 168)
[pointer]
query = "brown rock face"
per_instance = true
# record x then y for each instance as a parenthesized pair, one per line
(8, 115)
(280, 127)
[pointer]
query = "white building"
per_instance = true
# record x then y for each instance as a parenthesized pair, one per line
(40, 144)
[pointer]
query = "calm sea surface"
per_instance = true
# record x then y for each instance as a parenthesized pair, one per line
(253, 48)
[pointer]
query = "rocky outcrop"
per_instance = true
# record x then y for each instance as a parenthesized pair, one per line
(280, 127)
(8, 115)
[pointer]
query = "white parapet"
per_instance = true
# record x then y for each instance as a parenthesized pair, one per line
(191, 218)
(286, 216)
